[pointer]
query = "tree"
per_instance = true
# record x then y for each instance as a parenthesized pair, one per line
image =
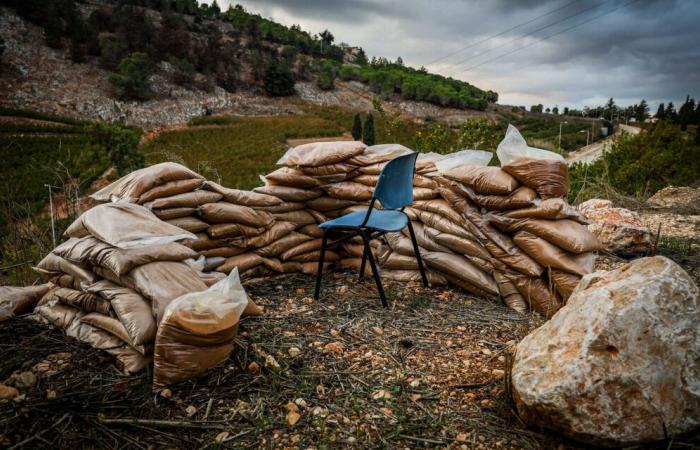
(327, 37)
(536, 108)
(357, 127)
(214, 9)
(671, 112)
(121, 144)
(368, 131)
(641, 111)
(326, 76)
(279, 81)
(555, 110)
(660, 113)
(131, 81)
(686, 113)
(399, 61)
(566, 110)
(547, 110)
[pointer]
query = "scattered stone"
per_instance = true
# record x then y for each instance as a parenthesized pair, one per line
(619, 230)
(677, 197)
(618, 364)
(271, 362)
(333, 347)
(191, 410)
(221, 437)
(343, 289)
(254, 368)
(25, 380)
(378, 331)
(498, 373)
(294, 352)
(166, 393)
(8, 392)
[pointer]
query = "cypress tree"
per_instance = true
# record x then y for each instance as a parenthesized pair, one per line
(660, 113)
(357, 128)
(368, 131)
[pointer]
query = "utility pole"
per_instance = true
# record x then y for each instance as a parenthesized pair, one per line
(53, 223)
(560, 124)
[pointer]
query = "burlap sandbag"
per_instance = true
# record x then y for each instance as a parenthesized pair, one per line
(212, 262)
(84, 301)
(321, 153)
(282, 244)
(438, 206)
(89, 251)
(438, 222)
(536, 292)
(460, 267)
(400, 243)
(225, 252)
(367, 180)
(549, 255)
(125, 225)
(379, 153)
(162, 282)
(115, 327)
(131, 308)
(413, 276)
(53, 265)
(197, 331)
(458, 244)
(397, 261)
(564, 283)
(288, 176)
(352, 249)
(171, 188)
(244, 261)
(298, 218)
(282, 207)
(245, 198)
(326, 203)
(303, 247)
(349, 190)
(330, 173)
(66, 281)
(289, 194)
(130, 187)
(523, 197)
(311, 268)
(509, 293)
(467, 286)
(276, 265)
(187, 200)
(224, 212)
(424, 238)
(550, 178)
(204, 242)
(372, 169)
(174, 213)
(319, 217)
(210, 278)
(567, 234)
(315, 256)
(232, 230)
(420, 193)
(484, 264)
(189, 223)
(484, 180)
(275, 232)
(20, 300)
(551, 209)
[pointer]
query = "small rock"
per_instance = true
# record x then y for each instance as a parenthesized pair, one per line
(166, 393)
(381, 394)
(7, 392)
(333, 347)
(486, 351)
(462, 437)
(378, 331)
(301, 402)
(271, 362)
(191, 410)
(619, 230)
(342, 289)
(293, 417)
(498, 373)
(254, 368)
(294, 352)
(25, 380)
(320, 411)
(221, 437)
(414, 383)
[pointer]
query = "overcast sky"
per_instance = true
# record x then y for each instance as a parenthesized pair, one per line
(627, 49)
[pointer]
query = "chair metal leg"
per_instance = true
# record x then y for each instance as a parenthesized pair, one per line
(417, 252)
(363, 264)
(375, 271)
(320, 264)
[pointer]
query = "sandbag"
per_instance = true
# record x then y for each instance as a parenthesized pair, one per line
(484, 180)
(245, 198)
(352, 249)
(413, 276)
(397, 261)
(460, 267)
(53, 265)
(298, 218)
(548, 177)
(20, 300)
(289, 194)
(288, 176)
(509, 293)
(379, 153)
(458, 244)
(311, 268)
(400, 243)
(275, 232)
(536, 292)
(303, 247)
(318, 216)
(522, 197)
(212, 262)
(276, 265)
(564, 283)
(422, 181)
(325, 203)
(440, 223)
(203, 242)
(420, 193)
(66, 281)
(114, 327)
(354, 264)
(225, 252)
(84, 301)
(243, 262)
(315, 256)
(424, 238)
(321, 153)
(438, 206)
(549, 255)
(567, 234)
(174, 213)
(282, 207)
(367, 180)
(551, 209)
(130, 187)
(171, 188)
(282, 244)
(189, 223)
(197, 331)
(125, 225)
(133, 311)
(89, 251)
(349, 190)
(467, 286)
(210, 278)
(162, 282)
(224, 212)
(372, 169)
(330, 173)
(232, 230)
(187, 200)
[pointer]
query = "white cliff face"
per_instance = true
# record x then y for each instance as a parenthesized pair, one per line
(620, 363)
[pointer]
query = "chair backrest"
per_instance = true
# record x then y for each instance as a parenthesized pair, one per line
(395, 184)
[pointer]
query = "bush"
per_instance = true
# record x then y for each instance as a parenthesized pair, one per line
(279, 81)
(120, 144)
(131, 82)
(357, 127)
(326, 76)
(368, 131)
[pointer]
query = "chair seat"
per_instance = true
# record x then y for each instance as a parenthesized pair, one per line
(381, 220)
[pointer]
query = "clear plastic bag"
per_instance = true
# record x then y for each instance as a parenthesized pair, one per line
(463, 158)
(513, 147)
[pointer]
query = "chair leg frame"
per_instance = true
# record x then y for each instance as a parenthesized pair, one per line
(417, 252)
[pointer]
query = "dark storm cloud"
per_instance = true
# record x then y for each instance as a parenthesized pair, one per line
(635, 49)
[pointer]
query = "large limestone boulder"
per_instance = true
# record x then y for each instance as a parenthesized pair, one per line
(620, 363)
(682, 197)
(619, 230)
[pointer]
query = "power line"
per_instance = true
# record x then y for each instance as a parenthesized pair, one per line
(529, 34)
(499, 34)
(545, 38)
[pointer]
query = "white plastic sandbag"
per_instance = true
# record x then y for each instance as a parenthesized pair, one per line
(479, 158)
(514, 147)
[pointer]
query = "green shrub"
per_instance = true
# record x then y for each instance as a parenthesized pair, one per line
(357, 127)
(120, 144)
(131, 81)
(368, 130)
(279, 80)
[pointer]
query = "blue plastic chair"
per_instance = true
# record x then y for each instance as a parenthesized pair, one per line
(394, 191)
